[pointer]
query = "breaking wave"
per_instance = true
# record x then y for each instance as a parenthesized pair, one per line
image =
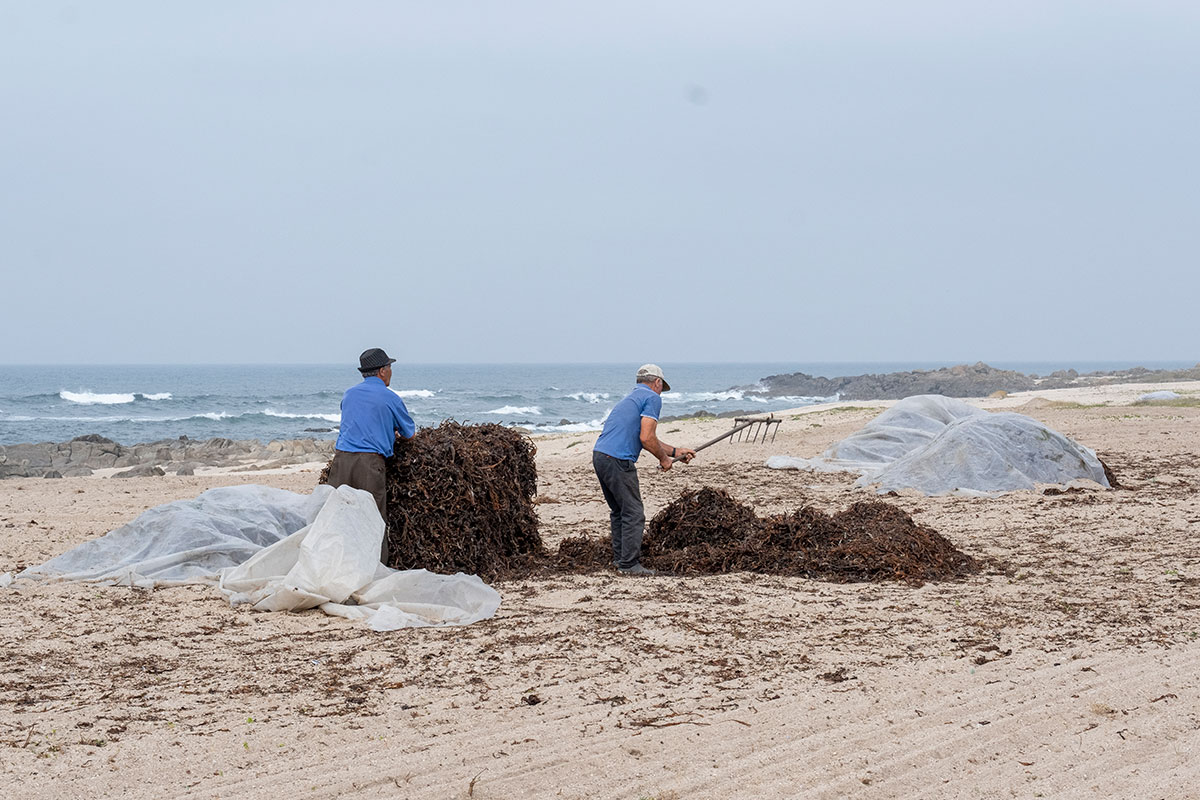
(711, 397)
(101, 399)
(570, 427)
(509, 410)
(286, 415)
(215, 416)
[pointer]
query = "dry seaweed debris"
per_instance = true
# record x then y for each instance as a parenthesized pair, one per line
(706, 516)
(1113, 483)
(878, 541)
(581, 554)
(460, 499)
(707, 532)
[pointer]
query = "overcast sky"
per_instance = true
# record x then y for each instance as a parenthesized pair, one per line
(611, 181)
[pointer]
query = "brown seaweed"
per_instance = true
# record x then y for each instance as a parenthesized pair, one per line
(460, 499)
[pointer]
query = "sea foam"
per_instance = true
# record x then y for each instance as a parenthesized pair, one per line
(414, 392)
(571, 427)
(92, 398)
(285, 415)
(532, 410)
(99, 399)
(709, 397)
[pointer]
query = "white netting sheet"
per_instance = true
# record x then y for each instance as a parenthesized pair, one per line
(278, 551)
(938, 445)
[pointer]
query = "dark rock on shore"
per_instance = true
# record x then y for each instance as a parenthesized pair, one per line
(977, 380)
(84, 454)
(142, 471)
(703, 414)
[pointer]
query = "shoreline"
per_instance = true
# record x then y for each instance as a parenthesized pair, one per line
(220, 456)
(243, 405)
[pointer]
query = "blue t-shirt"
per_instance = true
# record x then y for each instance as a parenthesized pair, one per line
(371, 415)
(622, 434)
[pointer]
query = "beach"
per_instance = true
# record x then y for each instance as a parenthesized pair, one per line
(1066, 668)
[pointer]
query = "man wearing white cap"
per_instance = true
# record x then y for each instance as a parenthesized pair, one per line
(631, 427)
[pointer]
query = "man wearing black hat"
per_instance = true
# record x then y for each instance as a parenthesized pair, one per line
(372, 414)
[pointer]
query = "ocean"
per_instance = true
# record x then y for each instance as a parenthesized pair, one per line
(143, 403)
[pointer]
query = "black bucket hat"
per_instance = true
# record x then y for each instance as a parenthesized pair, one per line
(373, 359)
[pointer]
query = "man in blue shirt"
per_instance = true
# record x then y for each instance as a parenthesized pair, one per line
(631, 427)
(372, 415)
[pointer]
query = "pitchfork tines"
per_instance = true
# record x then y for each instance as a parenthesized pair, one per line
(751, 427)
(748, 427)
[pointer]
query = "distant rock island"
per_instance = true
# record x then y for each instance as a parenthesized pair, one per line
(977, 380)
(84, 454)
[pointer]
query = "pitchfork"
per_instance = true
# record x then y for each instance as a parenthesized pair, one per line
(747, 426)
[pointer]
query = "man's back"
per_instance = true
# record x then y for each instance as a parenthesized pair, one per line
(371, 414)
(621, 437)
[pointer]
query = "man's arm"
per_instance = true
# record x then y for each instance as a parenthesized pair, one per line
(664, 452)
(403, 420)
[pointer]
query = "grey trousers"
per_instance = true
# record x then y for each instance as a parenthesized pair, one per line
(364, 471)
(626, 517)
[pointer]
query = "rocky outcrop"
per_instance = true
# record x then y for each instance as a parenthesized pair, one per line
(977, 380)
(142, 471)
(84, 454)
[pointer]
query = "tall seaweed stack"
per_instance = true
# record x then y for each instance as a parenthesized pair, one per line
(460, 499)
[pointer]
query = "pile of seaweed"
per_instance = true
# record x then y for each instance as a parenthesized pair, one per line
(460, 499)
(708, 532)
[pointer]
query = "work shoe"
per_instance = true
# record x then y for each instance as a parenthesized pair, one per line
(637, 569)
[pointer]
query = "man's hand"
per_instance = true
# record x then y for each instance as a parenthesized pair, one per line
(684, 454)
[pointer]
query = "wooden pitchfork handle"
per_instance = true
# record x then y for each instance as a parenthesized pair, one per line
(723, 436)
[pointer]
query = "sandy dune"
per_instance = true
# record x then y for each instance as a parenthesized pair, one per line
(1068, 668)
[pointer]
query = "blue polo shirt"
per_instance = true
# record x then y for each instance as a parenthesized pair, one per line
(371, 415)
(622, 434)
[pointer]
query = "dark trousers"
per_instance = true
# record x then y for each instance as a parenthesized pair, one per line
(626, 517)
(364, 471)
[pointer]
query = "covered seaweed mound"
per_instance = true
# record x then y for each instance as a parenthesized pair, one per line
(708, 532)
(939, 445)
(460, 499)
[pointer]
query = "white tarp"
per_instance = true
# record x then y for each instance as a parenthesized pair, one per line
(278, 551)
(938, 445)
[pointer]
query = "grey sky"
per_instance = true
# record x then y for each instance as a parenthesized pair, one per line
(519, 181)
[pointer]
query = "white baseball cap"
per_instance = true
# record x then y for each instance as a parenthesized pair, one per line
(653, 371)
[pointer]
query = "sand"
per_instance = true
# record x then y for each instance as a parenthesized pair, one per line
(1068, 668)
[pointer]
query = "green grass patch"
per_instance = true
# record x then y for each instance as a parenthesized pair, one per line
(1070, 404)
(1178, 402)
